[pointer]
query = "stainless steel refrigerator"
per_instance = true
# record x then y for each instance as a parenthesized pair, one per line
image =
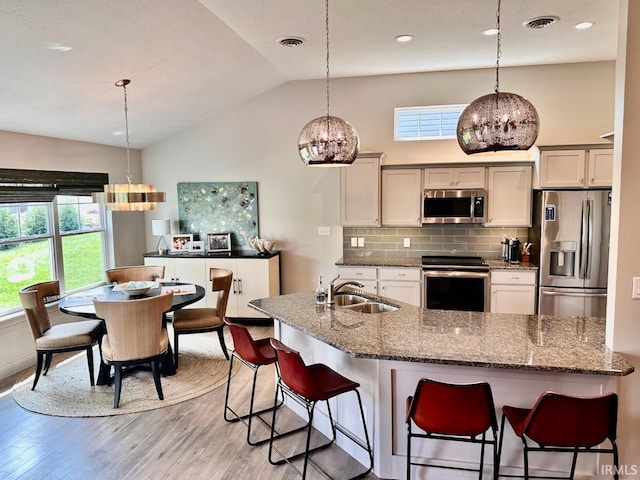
(570, 236)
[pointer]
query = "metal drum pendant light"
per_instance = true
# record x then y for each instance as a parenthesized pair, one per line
(328, 141)
(128, 196)
(498, 121)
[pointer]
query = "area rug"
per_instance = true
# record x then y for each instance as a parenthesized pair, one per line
(65, 390)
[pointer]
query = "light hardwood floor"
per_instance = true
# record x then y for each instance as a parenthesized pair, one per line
(189, 440)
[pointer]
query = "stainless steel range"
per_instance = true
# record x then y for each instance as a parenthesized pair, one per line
(455, 283)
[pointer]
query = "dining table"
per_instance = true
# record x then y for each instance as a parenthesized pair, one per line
(81, 304)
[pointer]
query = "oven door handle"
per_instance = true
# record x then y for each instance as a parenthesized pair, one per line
(448, 274)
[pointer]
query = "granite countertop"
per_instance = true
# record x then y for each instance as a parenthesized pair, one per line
(417, 262)
(413, 334)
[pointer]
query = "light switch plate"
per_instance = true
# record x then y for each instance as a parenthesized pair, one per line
(354, 241)
(361, 241)
(635, 293)
(324, 230)
(407, 242)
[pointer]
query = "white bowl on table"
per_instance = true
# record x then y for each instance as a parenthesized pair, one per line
(137, 288)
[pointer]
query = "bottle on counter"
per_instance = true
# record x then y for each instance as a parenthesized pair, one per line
(321, 294)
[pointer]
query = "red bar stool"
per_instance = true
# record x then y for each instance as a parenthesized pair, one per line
(564, 423)
(454, 412)
(308, 385)
(253, 354)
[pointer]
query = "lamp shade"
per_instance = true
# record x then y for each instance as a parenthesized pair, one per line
(328, 141)
(160, 227)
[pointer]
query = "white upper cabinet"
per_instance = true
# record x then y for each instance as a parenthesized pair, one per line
(401, 197)
(360, 191)
(576, 168)
(509, 196)
(454, 177)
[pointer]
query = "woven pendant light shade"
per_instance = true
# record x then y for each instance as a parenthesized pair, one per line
(328, 141)
(498, 121)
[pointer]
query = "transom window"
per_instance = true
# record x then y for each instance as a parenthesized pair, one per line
(426, 123)
(41, 241)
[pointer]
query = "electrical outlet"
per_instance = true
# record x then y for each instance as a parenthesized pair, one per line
(361, 241)
(635, 293)
(324, 230)
(354, 241)
(407, 242)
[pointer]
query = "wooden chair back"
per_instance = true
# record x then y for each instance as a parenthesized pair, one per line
(134, 327)
(221, 282)
(134, 273)
(34, 299)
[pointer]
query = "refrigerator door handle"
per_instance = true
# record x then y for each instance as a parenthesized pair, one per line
(589, 238)
(584, 240)
(572, 294)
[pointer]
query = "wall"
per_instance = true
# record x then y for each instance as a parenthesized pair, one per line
(623, 312)
(430, 239)
(257, 141)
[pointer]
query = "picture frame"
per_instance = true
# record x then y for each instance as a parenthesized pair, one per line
(181, 242)
(219, 242)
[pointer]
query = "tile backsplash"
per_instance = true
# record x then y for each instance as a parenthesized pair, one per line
(430, 239)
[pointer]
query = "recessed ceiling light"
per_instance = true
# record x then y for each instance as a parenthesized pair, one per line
(541, 22)
(291, 41)
(404, 38)
(584, 25)
(490, 31)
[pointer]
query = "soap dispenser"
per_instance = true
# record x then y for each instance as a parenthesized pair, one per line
(320, 293)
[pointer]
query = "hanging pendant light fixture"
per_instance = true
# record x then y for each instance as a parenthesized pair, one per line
(128, 196)
(498, 121)
(328, 141)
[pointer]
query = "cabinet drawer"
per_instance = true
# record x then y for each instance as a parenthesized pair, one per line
(408, 274)
(357, 273)
(513, 277)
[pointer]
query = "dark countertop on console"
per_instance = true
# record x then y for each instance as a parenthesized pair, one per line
(232, 254)
(520, 342)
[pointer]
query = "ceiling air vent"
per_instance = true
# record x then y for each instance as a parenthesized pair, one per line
(291, 41)
(541, 22)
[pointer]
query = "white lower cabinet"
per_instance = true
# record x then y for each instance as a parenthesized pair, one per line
(513, 291)
(395, 283)
(252, 278)
(402, 284)
(365, 275)
(186, 270)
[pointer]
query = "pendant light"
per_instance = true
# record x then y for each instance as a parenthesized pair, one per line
(328, 141)
(498, 121)
(128, 196)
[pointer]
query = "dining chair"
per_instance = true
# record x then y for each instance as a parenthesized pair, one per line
(462, 412)
(134, 273)
(64, 337)
(205, 319)
(135, 336)
(565, 423)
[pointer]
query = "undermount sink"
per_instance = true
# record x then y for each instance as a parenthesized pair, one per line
(349, 299)
(372, 307)
(360, 304)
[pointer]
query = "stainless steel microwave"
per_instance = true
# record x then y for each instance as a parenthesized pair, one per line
(454, 206)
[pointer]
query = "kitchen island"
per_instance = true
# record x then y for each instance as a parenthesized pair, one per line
(387, 353)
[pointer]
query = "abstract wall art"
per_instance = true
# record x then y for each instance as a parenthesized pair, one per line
(205, 208)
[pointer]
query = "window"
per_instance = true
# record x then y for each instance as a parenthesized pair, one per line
(41, 241)
(426, 123)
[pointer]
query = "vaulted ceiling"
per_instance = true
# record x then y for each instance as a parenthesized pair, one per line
(191, 59)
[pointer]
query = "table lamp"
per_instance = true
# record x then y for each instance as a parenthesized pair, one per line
(161, 228)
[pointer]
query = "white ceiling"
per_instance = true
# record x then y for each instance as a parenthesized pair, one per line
(190, 59)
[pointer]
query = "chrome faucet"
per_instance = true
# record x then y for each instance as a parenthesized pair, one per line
(333, 288)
